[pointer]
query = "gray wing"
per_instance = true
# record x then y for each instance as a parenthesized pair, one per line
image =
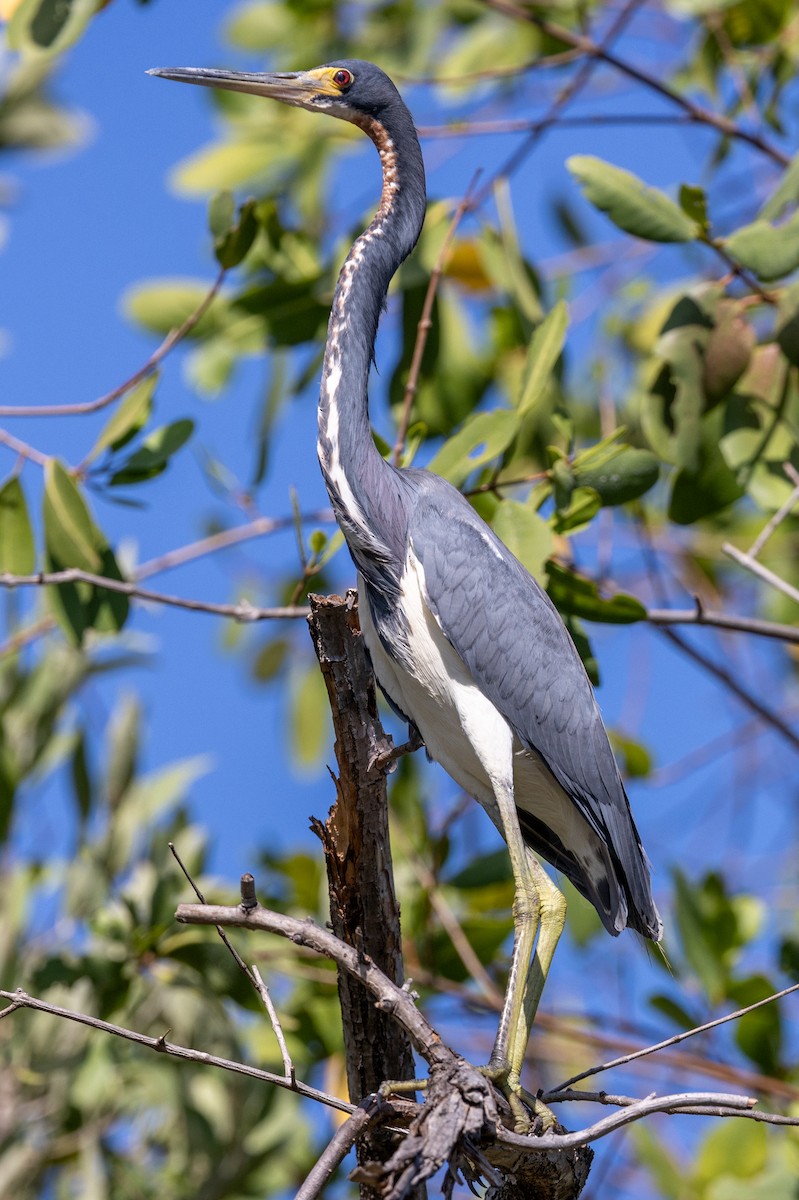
(512, 639)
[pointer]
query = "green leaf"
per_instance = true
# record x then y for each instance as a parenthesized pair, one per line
(705, 491)
(770, 251)
(71, 537)
(17, 549)
(131, 416)
(73, 540)
(482, 438)
(546, 347)
(583, 505)
(232, 239)
(162, 305)
(526, 534)
(636, 759)
(786, 193)
(309, 717)
(693, 202)
(152, 457)
(574, 594)
(623, 476)
(630, 204)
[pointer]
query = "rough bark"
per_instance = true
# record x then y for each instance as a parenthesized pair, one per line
(363, 905)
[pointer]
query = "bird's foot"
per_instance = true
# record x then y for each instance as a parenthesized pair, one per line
(387, 760)
(528, 1112)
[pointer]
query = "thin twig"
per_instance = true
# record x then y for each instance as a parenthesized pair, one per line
(337, 1149)
(244, 611)
(89, 406)
(676, 1039)
(732, 685)
(785, 509)
(263, 992)
(23, 449)
(259, 527)
(21, 999)
(723, 125)
(554, 113)
(703, 616)
(751, 564)
(425, 322)
(465, 128)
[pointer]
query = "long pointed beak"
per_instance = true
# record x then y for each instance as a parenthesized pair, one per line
(294, 87)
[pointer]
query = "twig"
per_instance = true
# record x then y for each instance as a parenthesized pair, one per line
(564, 97)
(724, 676)
(21, 999)
(712, 1104)
(751, 564)
(703, 616)
(22, 448)
(263, 992)
(89, 406)
(676, 1039)
(425, 322)
(566, 1094)
(244, 611)
(259, 527)
(458, 128)
(337, 1149)
(724, 125)
(779, 516)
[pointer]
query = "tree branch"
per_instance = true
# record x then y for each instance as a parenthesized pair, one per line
(89, 406)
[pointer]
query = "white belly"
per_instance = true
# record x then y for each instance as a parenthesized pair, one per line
(461, 728)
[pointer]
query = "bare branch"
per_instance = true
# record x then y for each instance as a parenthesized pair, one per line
(23, 449)
(425, 323)
(785, 509)
(337, 1149)
(244, 611)
(723, 125)
(263, 992)
(676, 1039)
(20, 999)
(751, 564)
(259, 527)
(720, 620)
(170, 341)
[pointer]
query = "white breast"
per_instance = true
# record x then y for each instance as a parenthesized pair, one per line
(461, 728)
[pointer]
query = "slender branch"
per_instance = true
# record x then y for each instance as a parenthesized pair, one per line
(425, 322)
(458, 128)
(337, 1149)
(723, 125)
(751, 564)
(785, 509)
(259, 527)
(89, 406)
(22, 448)
(263, 991)
(20, 999)
(730, 682)
(703, 616)
(676, 1039)
(564, 96)
(711, 1104)
(244, 612)
(558, 1097)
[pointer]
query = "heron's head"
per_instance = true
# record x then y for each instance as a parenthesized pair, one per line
(351, 89)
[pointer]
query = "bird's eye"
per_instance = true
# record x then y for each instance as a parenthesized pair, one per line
(342, 79)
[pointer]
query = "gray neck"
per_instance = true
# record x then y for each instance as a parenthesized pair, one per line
(358, 480)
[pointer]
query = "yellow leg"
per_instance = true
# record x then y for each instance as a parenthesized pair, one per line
(552, 917)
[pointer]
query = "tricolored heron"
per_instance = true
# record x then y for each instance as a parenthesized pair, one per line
(465, 645)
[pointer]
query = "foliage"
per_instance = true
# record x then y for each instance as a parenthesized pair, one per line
(669, 426)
